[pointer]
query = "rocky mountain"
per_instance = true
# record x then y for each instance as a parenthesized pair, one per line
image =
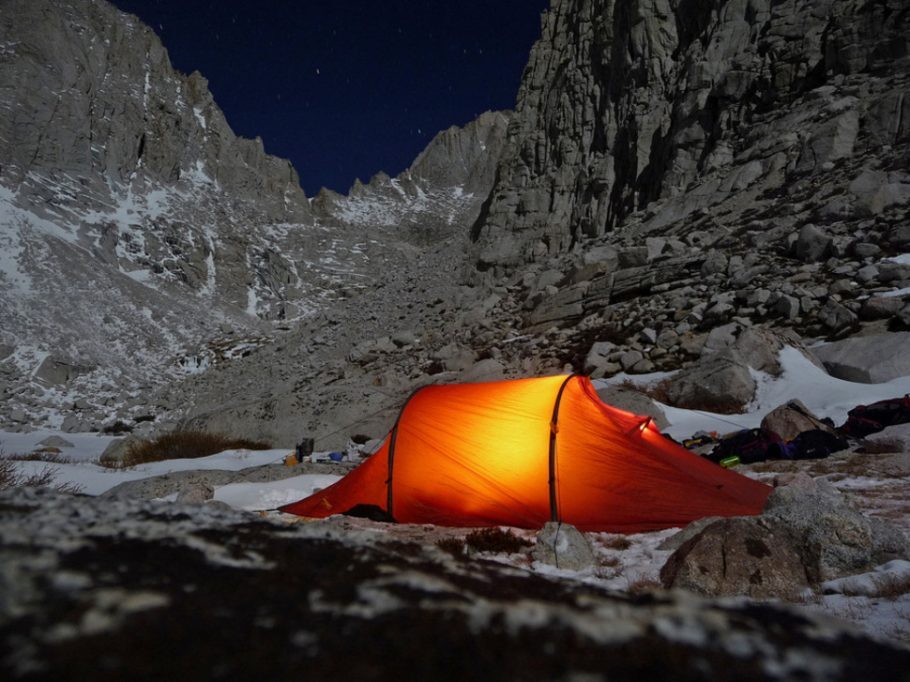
(673, 169)
(680, 186)
(627, 104)
(143, 241)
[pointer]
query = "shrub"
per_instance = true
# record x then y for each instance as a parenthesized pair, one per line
(495, 540)
(184, 445)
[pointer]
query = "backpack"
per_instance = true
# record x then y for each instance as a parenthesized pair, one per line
(815, 444)
(749, 445)
(866, 419)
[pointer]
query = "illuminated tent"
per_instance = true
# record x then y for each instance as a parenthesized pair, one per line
(524, 452)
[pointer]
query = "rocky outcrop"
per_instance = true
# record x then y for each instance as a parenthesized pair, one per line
(342, 598)
(438, 195)
(92, 95)
(625, 104)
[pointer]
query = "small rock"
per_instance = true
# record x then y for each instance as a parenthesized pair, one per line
(563, 546)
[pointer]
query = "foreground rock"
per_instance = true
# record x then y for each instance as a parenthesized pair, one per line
(338, 598)
(738, 556)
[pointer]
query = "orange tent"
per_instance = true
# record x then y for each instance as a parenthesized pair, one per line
(524, 452)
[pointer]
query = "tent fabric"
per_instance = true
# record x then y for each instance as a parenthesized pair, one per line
(482, 455)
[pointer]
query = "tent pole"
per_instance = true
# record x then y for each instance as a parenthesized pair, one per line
(554, 429)
(392, 442)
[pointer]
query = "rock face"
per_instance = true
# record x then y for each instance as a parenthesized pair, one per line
(340, 598)
(624, 104)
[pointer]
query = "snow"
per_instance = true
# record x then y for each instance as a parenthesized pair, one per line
(197, 112)
(93, 479)
(260, 496)
(86, 446)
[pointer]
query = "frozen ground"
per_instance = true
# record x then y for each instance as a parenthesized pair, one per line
(878, 601)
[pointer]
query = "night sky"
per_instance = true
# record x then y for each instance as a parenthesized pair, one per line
(346, 89)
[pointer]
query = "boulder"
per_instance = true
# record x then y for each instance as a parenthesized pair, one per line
(812, 245)
(807, 534)
(485, 370)
(738, 556)
(56, 372)
(833, 538)
(676, 540)
(193, 483)
(789, 420)
(598, 357)
(868, 359)
(630, 358)
(454, 357)
(892, 439)
(756, 347)
(405, 337)
(718, 383)
(563, 546)
(56, 442)
(116, 450)
(633, 401)
(880, 307)
(836, 317)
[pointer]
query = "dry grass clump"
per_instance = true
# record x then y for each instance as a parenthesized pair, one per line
(183, 445)
(453, 546)
(11, 477)
(619, 542)
(495, 540)
(42, 456)
(643, 585)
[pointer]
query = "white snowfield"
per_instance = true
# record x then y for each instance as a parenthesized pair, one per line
(622, 567)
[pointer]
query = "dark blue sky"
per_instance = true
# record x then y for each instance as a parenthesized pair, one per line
(346, 89)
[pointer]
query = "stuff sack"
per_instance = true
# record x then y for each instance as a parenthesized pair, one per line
(866, 419)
